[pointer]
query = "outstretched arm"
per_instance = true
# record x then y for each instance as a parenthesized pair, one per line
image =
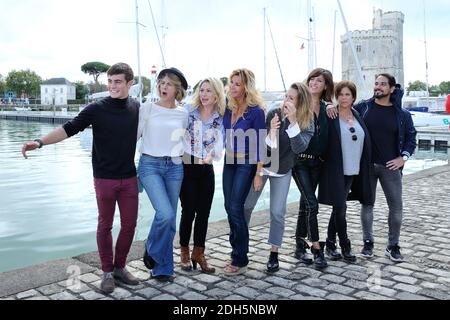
(55, 136)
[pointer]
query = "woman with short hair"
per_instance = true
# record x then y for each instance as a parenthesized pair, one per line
(347, 166)
(162, 127)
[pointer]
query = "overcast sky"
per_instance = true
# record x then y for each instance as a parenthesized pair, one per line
(206, 37)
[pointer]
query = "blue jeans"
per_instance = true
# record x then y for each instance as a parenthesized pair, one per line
(162, 180)
(391, 182)
(279, 189)
(237, 180)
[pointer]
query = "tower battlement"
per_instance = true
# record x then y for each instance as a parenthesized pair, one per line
(379, 49)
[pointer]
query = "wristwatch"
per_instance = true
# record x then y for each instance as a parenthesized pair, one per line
(405, 158)
(40, 142)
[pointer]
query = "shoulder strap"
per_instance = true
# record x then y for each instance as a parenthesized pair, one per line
(146, 117)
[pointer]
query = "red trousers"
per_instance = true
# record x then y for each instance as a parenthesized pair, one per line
(125, 194)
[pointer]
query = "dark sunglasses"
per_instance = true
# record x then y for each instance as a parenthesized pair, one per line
(354, 136)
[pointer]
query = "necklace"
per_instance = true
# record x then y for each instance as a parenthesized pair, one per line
(347, 118)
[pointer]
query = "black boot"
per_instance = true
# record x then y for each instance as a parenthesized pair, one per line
(346, 249)
(272, 264)
(331, 251)
(148, 261)
(319, 257)
(300, 252)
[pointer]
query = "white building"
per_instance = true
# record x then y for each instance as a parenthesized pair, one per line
(379, 50)
(57, 91)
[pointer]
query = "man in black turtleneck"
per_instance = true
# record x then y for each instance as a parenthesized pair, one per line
(114, 122)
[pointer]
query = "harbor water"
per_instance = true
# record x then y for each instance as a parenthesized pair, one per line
(48, 209)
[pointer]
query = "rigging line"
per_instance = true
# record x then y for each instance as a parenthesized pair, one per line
(138, 52)
(276, 52)
(157, 34)
(426, 51)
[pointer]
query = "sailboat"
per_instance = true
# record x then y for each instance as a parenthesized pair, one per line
(425, 111)
(274, 98)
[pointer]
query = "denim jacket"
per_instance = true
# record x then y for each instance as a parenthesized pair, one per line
(406, 133)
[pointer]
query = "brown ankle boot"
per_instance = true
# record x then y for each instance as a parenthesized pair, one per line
(185, 263)
(198, 256)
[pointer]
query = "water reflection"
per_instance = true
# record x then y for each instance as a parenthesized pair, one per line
(48, 208)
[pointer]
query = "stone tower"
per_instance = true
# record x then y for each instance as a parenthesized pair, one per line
(379, 50)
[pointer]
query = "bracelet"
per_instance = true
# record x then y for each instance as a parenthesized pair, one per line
(40, 142)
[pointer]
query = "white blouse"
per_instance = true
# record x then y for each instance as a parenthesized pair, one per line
(162, 130)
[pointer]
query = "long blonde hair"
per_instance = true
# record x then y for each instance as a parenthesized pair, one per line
(252, 97)
(219, 93)
(304, 107)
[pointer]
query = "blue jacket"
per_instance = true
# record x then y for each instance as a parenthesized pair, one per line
(406, 133)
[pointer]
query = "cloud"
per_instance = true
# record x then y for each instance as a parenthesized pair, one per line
(54, 38)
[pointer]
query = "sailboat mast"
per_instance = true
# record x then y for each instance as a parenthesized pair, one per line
(334, 42)
(313, 15)
(265, 54)
(276, 52)
(163, 29)
(161, 49)
(426, 54)
(138, 52)
(310, 38)
(355, 56)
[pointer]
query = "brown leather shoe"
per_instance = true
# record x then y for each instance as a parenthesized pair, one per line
(125, 276)
(185, 262)
(198, 256)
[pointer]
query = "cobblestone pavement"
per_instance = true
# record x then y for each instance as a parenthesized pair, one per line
(425, 274)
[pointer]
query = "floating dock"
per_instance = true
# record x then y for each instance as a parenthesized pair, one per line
(44, 116)
(438, 137)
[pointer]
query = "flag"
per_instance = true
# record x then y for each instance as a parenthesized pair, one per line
(302, 46)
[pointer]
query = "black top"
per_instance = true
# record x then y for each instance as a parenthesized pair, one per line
(282, 159)
(383, 128)
(332, 179)
(114, 125)
(319, 141)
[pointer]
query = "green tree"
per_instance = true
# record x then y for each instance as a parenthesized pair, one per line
(147, 85)
(416, 86)
(435, 91)
(81, 90)
(2, 86)
(445, 87)
(97, 87)
(23, 81)
(224, 81)
(95, 69)
(196, 86)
